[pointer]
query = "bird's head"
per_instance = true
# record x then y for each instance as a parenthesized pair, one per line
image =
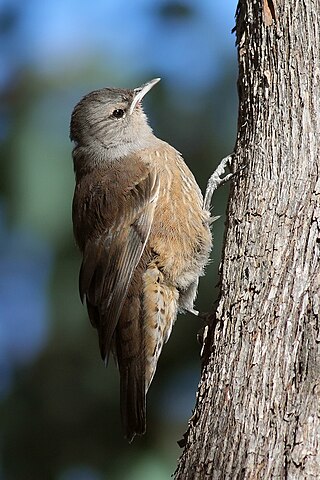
(112, 119)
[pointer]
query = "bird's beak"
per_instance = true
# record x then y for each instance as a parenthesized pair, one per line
(140, 92)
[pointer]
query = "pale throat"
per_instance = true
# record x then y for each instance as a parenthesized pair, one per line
(124, 145)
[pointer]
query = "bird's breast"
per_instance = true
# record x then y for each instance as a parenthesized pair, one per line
(180, 235)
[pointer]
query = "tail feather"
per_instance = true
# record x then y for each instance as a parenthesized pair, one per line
(130, 352)
(133, 400)
(144, 326)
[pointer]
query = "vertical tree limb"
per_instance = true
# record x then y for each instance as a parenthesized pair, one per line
(257, 412)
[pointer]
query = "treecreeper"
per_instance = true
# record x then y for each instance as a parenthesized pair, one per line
(140, 223)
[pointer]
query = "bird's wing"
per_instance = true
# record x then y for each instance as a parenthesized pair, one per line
(110, 259)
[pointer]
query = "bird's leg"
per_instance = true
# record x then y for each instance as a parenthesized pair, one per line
(216, 180)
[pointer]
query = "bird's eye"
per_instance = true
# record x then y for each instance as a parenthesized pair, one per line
(118, 113)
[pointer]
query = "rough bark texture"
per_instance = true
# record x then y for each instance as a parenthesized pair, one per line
(257, 411)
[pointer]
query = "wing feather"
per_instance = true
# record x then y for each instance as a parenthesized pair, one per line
(110, 260)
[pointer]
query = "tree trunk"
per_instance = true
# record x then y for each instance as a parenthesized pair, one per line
(257, 410)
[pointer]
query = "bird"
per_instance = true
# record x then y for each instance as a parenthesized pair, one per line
(144, 234)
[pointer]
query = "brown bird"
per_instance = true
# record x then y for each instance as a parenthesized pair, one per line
(144, 234)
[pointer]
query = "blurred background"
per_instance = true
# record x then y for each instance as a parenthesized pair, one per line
(59, 406)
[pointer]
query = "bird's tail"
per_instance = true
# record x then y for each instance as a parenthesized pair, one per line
(133, 400)
(131, 362)
(144, 327)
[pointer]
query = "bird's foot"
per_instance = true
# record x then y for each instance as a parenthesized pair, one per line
(216, 180)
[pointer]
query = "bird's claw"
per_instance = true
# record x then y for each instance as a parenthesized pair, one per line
(216, 180)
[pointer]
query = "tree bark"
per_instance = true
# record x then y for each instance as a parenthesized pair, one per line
(257, 413)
